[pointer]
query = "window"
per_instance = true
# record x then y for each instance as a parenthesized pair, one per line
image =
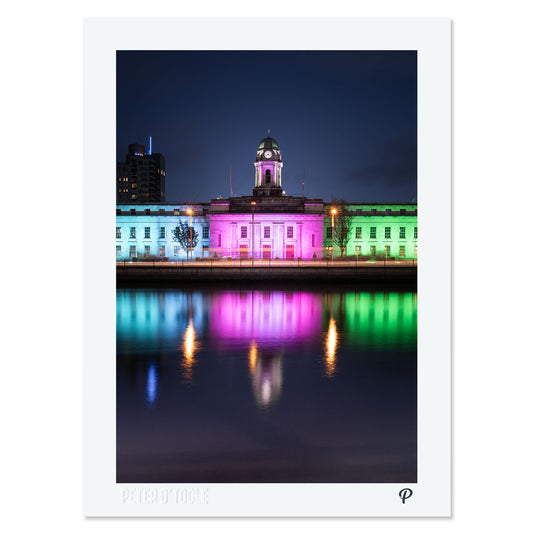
(119, 233)
(313, 240)
(358, 211)
(162, 233)
(402, 232)
(402, 211)
(402, 251)
(146, 233)
(243, 251)
(205, 232)
(244, 232)
(162, 251)
(388, 211)
(329, 232)
(267, 252)
(387, 232)
(373, 232)
(358, 250)
(373, 251)
(219, 240)
(415, 233)
(133, 251)
(132, 233)
(147, 250)
(358, 232)
(205, 251)
(373, 211)
(176, 250)
(416, 251)
(290, 232)
(119, 251)
(267, 232)
(268, 176)
(387, 251)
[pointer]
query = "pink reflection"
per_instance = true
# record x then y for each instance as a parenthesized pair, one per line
(268, 318)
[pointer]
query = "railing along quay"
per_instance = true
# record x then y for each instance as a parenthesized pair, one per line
(264, 269)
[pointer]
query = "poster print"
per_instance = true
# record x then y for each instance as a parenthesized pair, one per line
(266, 256)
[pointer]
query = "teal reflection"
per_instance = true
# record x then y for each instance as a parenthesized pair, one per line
(150, 321)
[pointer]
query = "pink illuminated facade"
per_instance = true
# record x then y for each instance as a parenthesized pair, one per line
(269, 224)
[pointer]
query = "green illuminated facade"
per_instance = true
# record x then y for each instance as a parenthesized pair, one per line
(374, 231)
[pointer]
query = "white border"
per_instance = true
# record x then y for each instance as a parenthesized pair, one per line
(431, 38)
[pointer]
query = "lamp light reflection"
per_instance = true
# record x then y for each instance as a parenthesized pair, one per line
(265, 369)
(151, 384)
(252, 356)
(190, 347)
(331, 348)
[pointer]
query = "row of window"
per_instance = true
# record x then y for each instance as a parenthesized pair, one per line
(387, 251)
(244, 251)
(266, 232)
(387, 212)
(133, 252)
(373, 232)
(162, 232)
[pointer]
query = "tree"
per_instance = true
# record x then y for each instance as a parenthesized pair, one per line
(186, 235)
(343, 225)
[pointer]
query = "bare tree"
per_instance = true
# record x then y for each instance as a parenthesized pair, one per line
(342, 225)
(186, 235)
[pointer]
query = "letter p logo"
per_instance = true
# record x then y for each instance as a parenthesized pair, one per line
(405, 493)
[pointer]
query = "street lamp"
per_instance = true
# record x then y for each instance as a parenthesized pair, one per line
(333, 213)
(253, 228)
(190, 213)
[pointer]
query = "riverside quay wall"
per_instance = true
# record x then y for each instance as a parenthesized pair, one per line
(146, 273)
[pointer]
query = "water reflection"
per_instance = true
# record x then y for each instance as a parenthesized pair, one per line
(266, 373)
(252, 357)
(331, 348)
(189, 348)
(270, 318)
(151, 384)
(259, 325)
(289, 386)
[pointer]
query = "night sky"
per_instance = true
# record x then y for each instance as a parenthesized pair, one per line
(349, 117)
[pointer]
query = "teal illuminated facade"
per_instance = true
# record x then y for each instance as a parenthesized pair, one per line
(144, 231)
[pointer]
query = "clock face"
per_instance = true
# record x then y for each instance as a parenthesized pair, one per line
(268, 154)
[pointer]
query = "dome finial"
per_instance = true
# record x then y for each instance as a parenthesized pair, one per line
(268, 132)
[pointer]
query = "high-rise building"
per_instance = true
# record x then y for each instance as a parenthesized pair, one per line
(142, 177)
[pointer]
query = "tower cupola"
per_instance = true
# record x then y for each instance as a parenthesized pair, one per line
(268, 166)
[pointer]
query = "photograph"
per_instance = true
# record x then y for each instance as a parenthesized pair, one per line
(266, 266)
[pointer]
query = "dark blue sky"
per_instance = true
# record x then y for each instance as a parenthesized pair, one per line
(350, 116)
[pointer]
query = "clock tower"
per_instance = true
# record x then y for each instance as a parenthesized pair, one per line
(268, 166)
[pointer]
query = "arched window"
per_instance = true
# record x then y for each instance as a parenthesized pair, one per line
(268, 176)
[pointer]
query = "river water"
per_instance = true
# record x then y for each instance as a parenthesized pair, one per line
(303, 386)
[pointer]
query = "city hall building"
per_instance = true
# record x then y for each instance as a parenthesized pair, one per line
(268, 224)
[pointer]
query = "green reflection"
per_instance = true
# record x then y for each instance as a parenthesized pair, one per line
(365, 319)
